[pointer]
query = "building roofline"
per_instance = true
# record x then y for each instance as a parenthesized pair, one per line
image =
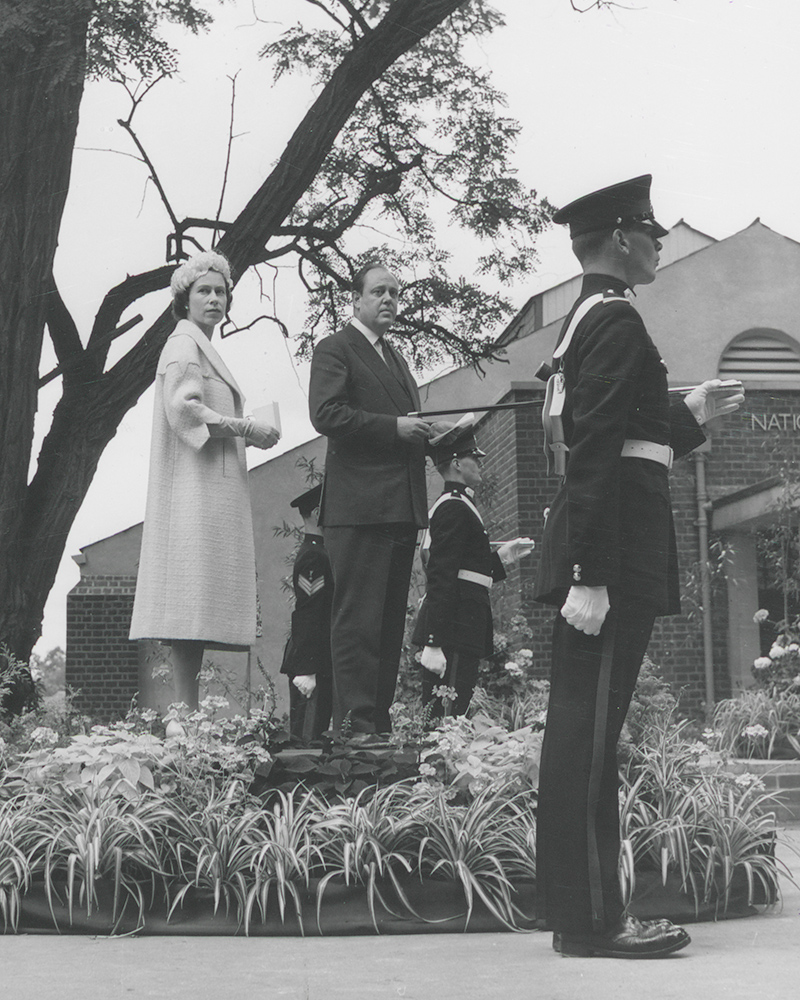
(505, 336)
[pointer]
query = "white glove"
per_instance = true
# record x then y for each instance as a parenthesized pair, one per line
(513, 551)
(255, 432)
(433, 659)
(305, 684)
(706, 404)
(586, 608)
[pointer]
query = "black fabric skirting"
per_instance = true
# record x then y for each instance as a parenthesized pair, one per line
(345, 910)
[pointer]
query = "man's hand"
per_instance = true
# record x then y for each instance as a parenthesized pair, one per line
(440, 427)
(305, 684)
(412, 429)
(586, 608)
(433, 659)
(513, 551)
(705, 403)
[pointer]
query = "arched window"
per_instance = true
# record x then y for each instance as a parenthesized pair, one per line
(768, 358)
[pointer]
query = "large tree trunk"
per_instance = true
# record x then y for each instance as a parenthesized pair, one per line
(41, 84)
(94, 403)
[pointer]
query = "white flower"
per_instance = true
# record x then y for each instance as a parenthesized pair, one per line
(755, 732)
(748, 780)
(514, 669)
(776, 651)
(525, 654)
(762, 663)
(214, 703)
(44, 734)
(427, 771)
(761, 616)
(793, 648)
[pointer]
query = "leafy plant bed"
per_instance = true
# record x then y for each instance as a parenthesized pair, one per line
(225, 831)
(428, 906)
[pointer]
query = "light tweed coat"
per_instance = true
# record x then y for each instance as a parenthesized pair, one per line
(197, 566)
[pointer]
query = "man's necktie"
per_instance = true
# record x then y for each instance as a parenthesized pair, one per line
(391, 361)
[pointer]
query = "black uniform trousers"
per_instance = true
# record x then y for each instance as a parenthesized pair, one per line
(577, 840)
(371, 566)
(310, 717)
(466, 667)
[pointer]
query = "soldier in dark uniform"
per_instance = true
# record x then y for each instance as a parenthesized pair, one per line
(608, 562)
(307, 657)
(454, 625)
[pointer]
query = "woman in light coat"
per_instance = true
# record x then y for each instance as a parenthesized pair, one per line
(196, 585)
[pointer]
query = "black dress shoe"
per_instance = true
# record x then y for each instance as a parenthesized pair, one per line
(631, 924)
(631, 938)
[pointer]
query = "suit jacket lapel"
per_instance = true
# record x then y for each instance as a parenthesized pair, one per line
(202, 341)
(400, 394)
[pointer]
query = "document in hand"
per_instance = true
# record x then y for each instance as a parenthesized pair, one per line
(269, 414)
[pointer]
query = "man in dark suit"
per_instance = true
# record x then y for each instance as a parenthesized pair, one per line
(307, 657)
(374, 499)
(609, 564)
(454, 623)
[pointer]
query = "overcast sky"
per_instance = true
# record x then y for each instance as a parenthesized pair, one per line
(700, 93)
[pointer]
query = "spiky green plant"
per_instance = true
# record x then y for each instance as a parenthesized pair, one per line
(365, 840)
(213, 842)
(82, 838)
(16, 872)
(483, 846)
(680, 812)
(286, 856)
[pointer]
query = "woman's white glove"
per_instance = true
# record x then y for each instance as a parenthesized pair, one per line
(513, 551)
(706, 403)
(305, 684)
(433, 659)
(586, 608)
(255, 432)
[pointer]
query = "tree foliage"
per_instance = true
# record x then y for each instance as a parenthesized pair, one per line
(401, 124)
(429, 138)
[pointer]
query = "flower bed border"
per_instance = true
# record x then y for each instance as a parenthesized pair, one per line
(345, 912)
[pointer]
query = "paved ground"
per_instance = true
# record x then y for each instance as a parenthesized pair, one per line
(731, 960)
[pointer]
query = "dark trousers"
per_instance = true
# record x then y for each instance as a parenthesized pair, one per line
(465, 666)
(310, 717)
(371, 566)
(577, 840)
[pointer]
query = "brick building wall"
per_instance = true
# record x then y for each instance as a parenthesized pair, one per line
(102, 663)
(758, 442)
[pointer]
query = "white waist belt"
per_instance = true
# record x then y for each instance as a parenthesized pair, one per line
(472, 577)
(661, 453)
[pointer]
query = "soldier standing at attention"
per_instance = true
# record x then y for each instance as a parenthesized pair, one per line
(454, 625)
(609, 564)
(307, 657)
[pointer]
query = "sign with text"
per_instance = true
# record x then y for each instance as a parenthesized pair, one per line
(775, 421)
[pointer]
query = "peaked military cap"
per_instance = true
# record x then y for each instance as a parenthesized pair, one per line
(618, 205)
(457, 442)
(308, 501)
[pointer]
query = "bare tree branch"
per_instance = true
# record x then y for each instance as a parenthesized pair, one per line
(126, 124)
(61, 326)
(117, 300)
(227, 155)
